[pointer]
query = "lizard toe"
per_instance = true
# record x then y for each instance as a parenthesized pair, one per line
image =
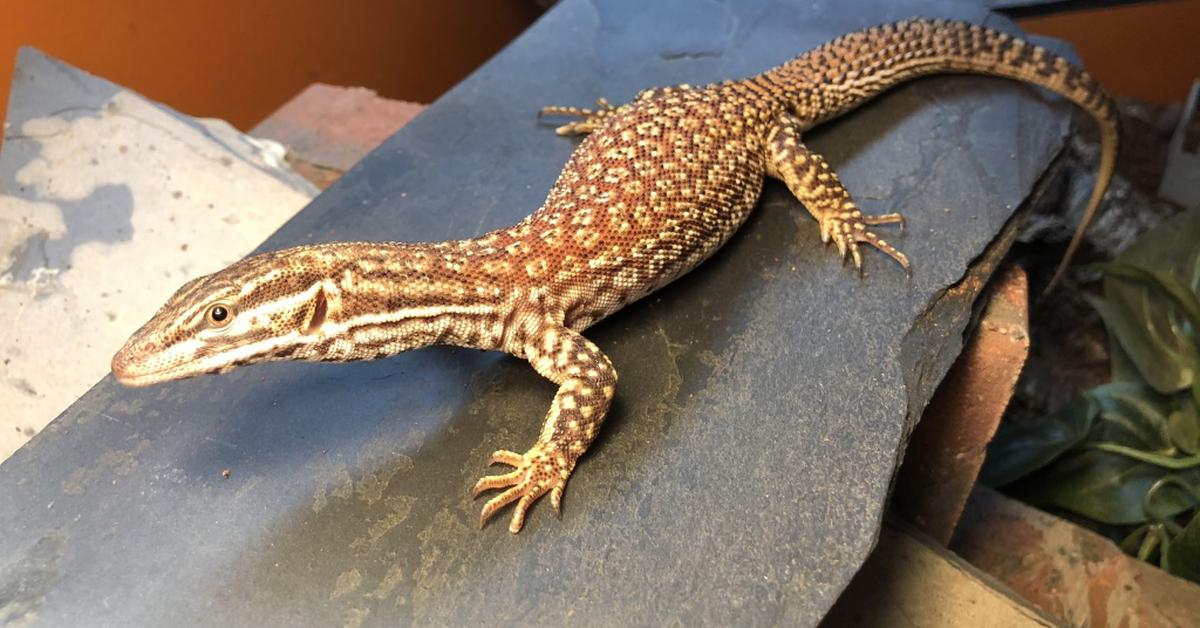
(539, 471)
(589, 119)
(848, 229)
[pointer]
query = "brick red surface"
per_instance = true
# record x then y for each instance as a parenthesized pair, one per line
(1069, 571)
(327, 129)
(948, 445)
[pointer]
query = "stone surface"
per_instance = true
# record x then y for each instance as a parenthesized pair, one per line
(108, 202)
(948, 446)
(1068, 571)
(764, 398)
(910, 580)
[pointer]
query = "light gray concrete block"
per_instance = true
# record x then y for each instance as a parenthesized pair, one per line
(108, 202)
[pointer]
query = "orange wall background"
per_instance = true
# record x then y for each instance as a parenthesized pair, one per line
(1149, 51)
(240, 59)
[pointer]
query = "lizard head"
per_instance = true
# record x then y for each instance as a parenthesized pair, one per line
(265, 307)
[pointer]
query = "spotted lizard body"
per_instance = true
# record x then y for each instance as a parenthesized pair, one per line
(656, 187)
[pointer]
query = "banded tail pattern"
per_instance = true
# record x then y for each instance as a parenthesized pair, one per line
(841, 75)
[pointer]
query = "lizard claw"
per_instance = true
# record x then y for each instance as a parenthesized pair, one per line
(537, 472)
(848, 228)
(885, 219)
(591, 119)
(870, 238)
(842, 242)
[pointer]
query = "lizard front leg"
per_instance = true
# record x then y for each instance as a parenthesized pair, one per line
(816, 185)
(586, 382)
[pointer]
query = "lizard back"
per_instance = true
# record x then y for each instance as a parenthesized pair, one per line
(658, 186)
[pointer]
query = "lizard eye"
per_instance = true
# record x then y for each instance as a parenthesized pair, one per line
(219, 315)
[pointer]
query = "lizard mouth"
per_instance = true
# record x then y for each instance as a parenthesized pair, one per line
(125, 369)
(131, 368)
(129, 374)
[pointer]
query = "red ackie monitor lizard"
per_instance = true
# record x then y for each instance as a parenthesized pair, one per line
(656, 187)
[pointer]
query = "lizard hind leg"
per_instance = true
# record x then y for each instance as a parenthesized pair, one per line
(586, 382)
(589, 119)
(592, 119)
(816, 185)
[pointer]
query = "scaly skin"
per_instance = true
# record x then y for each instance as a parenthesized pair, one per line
(657, 186)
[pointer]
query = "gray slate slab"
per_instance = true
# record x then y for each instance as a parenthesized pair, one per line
(763, 402)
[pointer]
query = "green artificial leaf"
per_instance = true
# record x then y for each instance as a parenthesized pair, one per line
(1183, 426)
(1163, 460)
(1196, 381)
(1162, 500)
(1172, 247)
(1144, 540)
(1121, 366)
(1020, 449)
(1130, 415)
(1162, 267)
(1133, 543)
(1128, 453)
(1182, 558)
(1104, 487)
(1177, 293)
(1159, 364)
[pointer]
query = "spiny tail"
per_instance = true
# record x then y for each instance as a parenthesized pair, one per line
(843, 74)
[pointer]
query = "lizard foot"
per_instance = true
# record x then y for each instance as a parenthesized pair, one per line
(848, 228)
(591, 119)
(539, 471)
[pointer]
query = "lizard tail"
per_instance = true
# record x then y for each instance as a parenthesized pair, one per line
(1109, 137)
(828, 81)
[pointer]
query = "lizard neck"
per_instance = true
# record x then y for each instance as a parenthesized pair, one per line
(382, 299)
